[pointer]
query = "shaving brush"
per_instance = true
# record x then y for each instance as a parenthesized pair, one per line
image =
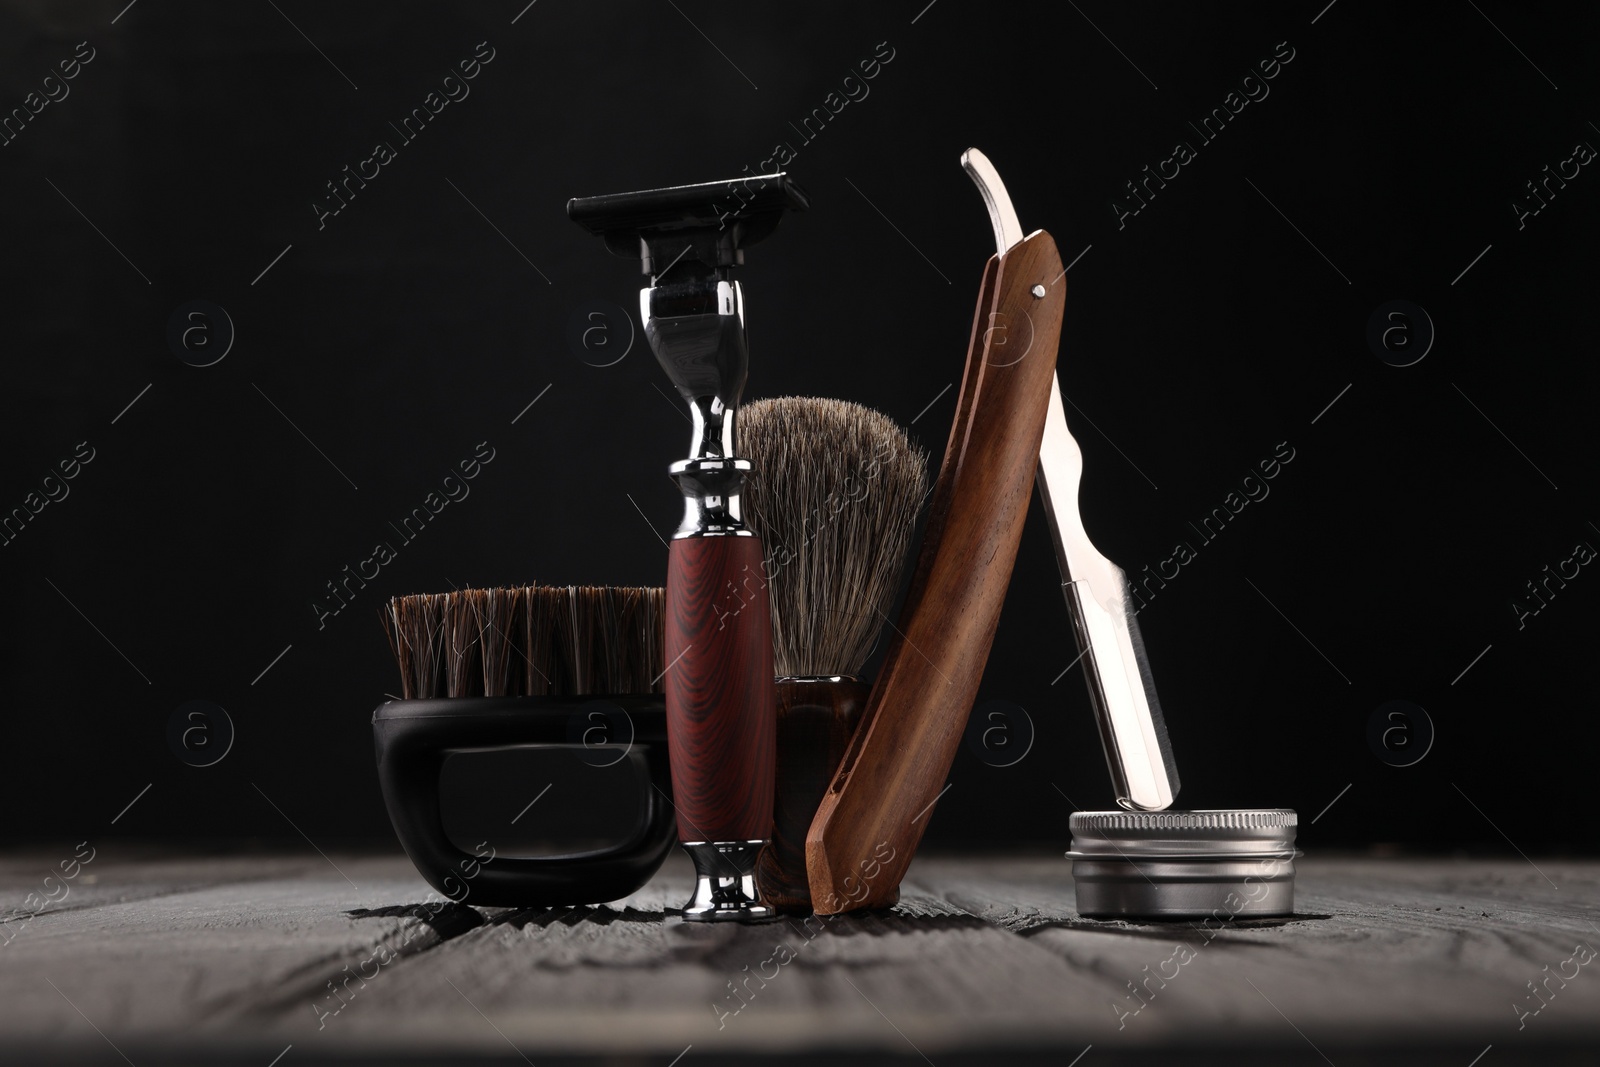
(834, 497)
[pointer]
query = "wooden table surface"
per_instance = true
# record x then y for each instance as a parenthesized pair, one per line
(152, 960)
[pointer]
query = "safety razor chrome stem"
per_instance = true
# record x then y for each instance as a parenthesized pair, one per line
(1121, 688)
(696, 329)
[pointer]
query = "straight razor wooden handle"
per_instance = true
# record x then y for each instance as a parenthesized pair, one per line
(874, 814)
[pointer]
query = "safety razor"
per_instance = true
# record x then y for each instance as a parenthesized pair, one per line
(720, 700)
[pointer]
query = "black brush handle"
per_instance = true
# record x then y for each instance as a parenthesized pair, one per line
(413, 739)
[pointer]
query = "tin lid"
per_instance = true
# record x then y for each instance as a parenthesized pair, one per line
(1188, 834)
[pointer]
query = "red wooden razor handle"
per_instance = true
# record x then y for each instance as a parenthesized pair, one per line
(721, 704)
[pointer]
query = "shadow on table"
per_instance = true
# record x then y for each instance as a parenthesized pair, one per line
(452, 920)
(1160, 931)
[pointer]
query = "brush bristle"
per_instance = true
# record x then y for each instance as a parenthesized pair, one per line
(834, 496)
(533, 640)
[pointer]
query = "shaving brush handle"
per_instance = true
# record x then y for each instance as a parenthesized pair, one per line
(816, 717)
(721, 704)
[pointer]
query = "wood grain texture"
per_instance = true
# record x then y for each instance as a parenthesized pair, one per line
(721, 705)
(873, 816)
(984, 961)
(816, 719)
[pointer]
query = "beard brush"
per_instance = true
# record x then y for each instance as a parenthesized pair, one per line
(553, 667)
(834, 498)
(534, 640)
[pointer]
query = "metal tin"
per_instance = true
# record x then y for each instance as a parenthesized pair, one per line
(1184, 864)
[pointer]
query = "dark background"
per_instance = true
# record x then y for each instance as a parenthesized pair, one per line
(1197, 338)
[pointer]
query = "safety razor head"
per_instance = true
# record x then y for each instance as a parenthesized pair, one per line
(688, 237)
(709, 224)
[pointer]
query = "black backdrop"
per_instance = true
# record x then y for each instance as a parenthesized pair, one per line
(377, 347)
